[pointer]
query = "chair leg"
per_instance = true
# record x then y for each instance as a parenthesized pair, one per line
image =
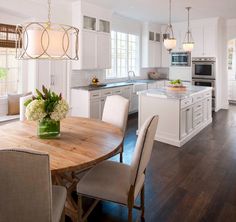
(80, 209)
(121, 153)
(121, 157)
(130, 214)
(63, 216)
(142, 203)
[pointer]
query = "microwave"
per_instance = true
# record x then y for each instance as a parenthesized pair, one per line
(203, 68)
(180, 59)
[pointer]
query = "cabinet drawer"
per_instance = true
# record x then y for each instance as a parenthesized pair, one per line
(117, 91)
(197, 122)
(197, 114)
(197, 106)
(186, 102)
(198, 97)
(207, 94)
(95, 94)
(106, 93)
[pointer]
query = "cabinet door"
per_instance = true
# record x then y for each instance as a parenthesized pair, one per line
(151, 54)
(126, 93)
(209, 108)
(95, 109)
(186, 122)
(210, 45)
(198, 37)
(58, 75)
(189, 123)
(104, 50)
(157, 54)
(43, 74)
(183, 125)
(89, 50)
(134, 103)
(102, 104)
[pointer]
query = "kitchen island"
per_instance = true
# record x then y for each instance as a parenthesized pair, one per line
(182, 115)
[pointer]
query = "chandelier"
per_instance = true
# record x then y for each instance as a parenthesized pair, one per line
(188, 43)
(169, 40)
(46, 40)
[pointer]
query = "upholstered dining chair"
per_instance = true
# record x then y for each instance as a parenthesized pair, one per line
(118, 182)
(26, 193)
(23, 99)
(115, 112)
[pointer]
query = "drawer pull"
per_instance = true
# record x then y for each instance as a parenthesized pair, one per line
(95, 95)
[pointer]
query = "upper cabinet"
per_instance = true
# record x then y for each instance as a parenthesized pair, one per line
(94, 24)
(205, 38)
(151, 45)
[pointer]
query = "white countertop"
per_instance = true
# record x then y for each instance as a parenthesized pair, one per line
(169, 94)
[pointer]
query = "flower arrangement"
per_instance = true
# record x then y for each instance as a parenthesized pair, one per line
(48, 109)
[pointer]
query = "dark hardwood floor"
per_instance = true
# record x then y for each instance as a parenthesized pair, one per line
(194, 183)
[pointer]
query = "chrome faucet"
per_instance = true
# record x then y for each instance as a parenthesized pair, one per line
(133, 73)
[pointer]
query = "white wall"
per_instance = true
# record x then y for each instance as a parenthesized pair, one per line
(231, 29)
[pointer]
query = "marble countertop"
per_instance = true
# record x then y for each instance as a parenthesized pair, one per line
(168, 94)
(117, 84)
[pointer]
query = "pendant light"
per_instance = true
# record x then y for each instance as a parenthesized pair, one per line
(188, 43)
(46, 40)
(169, 40)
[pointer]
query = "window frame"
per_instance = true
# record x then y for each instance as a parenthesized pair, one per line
(9, 43)
(127, 65)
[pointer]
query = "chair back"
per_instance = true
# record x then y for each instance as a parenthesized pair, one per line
(116, 111)
(143, 150)
(23, 99)
(25, 186)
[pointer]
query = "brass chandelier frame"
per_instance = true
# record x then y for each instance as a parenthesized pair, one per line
(70, 34)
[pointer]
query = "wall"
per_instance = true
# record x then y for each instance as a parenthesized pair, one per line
(231, 29)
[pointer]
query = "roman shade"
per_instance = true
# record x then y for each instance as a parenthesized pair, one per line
(8, 36)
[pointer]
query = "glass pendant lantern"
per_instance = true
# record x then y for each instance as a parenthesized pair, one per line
(169, 39)
(188, 43)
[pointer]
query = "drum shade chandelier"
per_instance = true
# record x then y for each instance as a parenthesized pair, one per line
(46, 40)
(188, 43)
(169, 40)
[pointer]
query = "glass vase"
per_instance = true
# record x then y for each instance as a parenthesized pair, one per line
(48, 129)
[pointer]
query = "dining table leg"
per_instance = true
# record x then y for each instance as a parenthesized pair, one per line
(69, 181)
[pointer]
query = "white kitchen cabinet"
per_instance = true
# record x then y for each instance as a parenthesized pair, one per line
(52, 74)
(205, 38)
(94, 36)
(154, 54)
(186, 121)
(180, 119)
(88, 54)
(151, 45)
(90, 104)
(103, 50)
(95, 109)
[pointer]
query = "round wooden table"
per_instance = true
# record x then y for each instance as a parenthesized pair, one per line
(82, 144)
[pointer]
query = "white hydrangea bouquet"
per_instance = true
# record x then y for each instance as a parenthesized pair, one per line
(47, 108)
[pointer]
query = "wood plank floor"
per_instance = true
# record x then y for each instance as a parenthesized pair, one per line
(194, 183)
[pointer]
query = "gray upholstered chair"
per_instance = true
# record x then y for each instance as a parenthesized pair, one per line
(26, 193)
(115, 112)
(118, 182)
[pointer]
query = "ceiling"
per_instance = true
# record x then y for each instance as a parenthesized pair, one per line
(157, 10)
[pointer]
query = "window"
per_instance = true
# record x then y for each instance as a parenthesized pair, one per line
(10, 70)
(125, 55)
